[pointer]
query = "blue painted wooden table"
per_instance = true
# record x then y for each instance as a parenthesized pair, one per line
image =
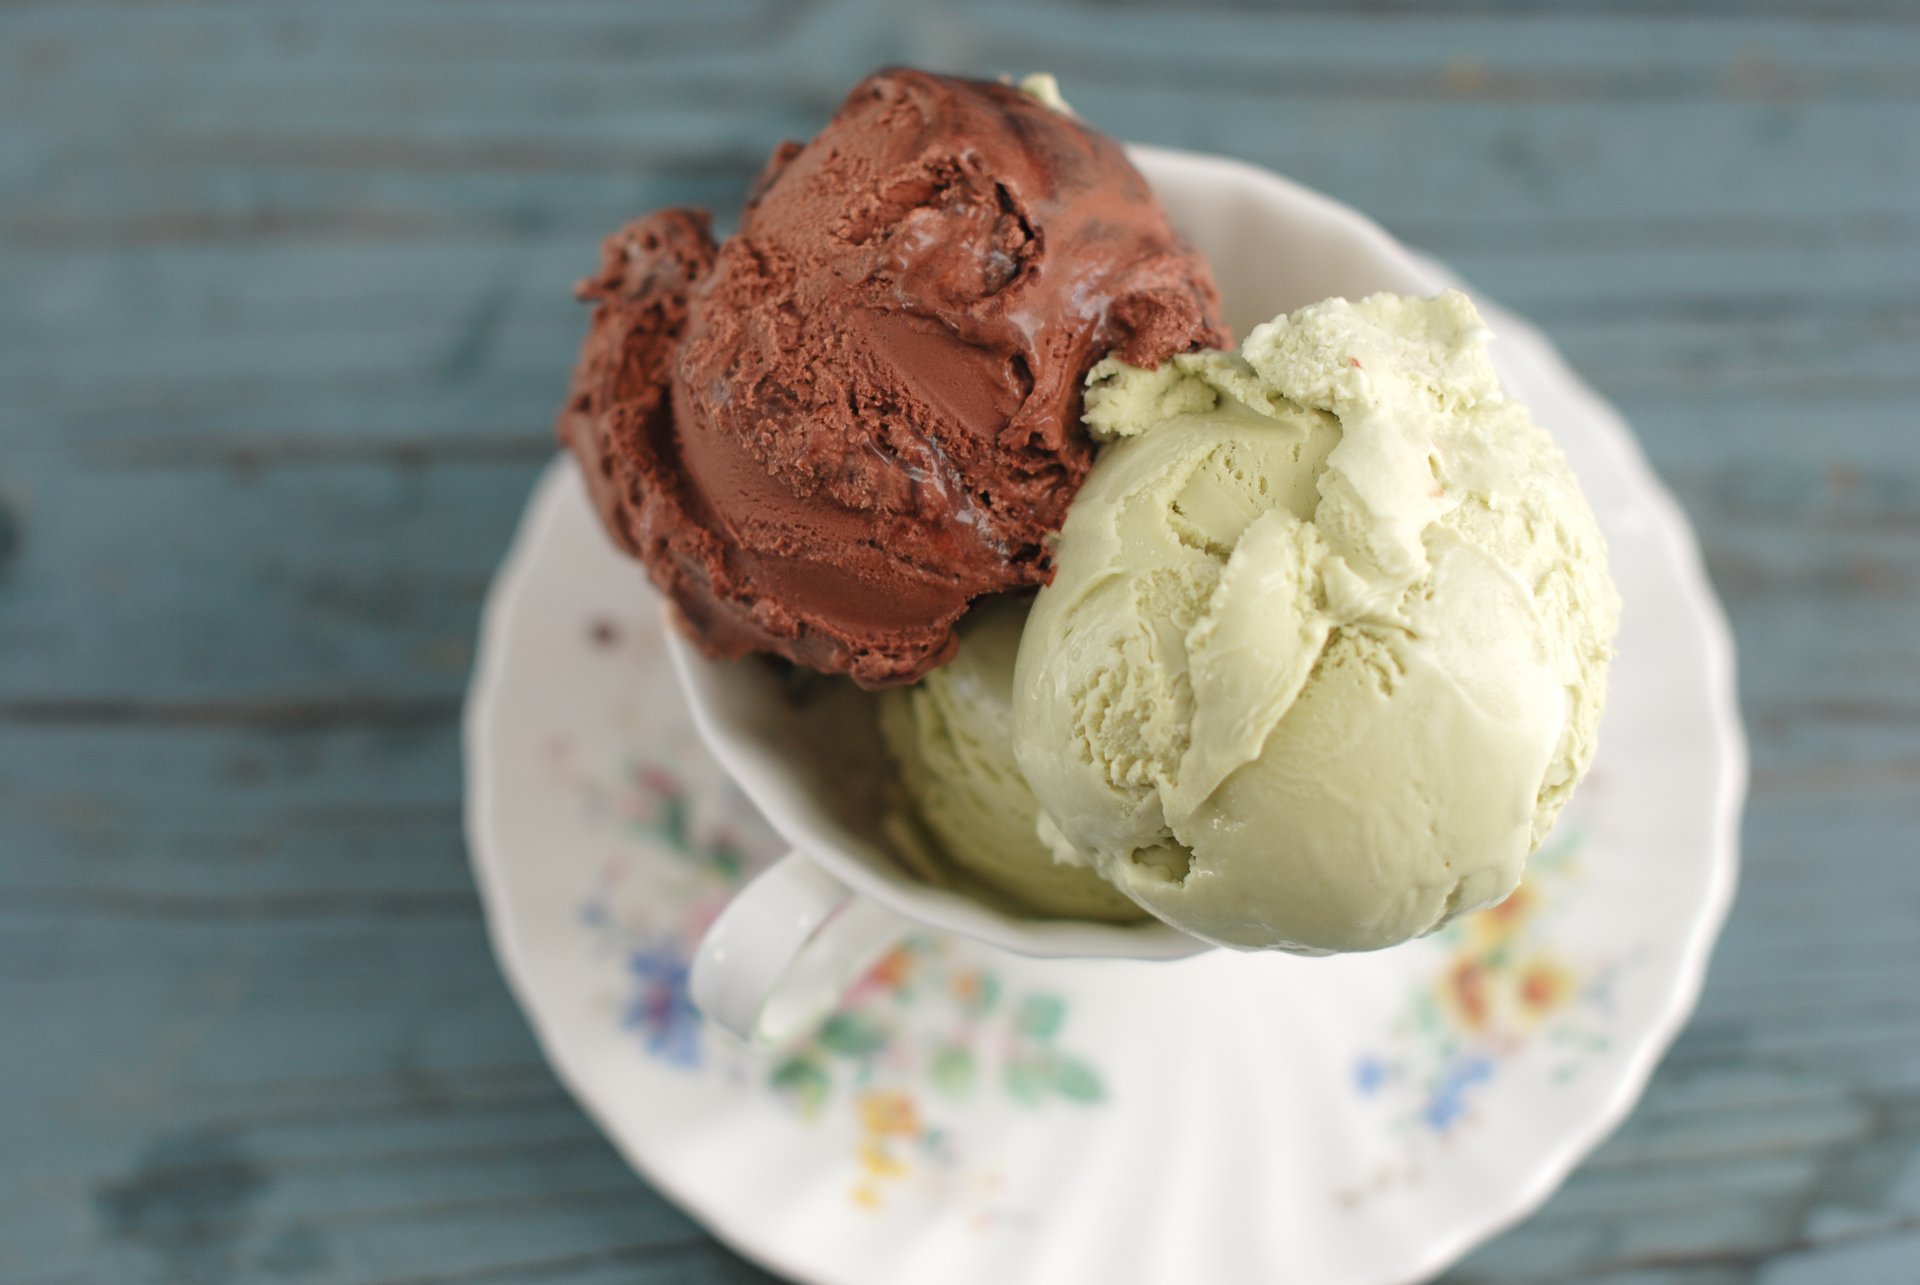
(284, 316)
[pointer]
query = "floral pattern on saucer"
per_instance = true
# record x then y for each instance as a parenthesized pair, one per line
(922, 1028)
(1504, 985)
(926, 1029)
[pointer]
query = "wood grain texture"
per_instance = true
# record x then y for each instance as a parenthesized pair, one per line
(283, 319)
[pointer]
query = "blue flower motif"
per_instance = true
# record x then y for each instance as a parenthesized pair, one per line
(1370, 1075)
(663, 1011)
(1449, 1100)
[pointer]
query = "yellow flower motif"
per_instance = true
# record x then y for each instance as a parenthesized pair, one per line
(883, 1118)
(1545, 985)
(888, 1115)
(879, 1162)
(1501, 923)
(1464, 991)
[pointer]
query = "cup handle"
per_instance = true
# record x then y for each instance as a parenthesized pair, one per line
(777, 959)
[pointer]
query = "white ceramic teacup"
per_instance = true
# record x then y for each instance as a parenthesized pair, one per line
(782, 951)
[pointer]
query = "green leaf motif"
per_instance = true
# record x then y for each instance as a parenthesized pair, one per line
(1039, 1016)
(728, 862)
(989, 993)
(953, 1072)
(673, 823)
(850, 1035)
(809, 1085)
(1028, 1079)
(1076, 1080)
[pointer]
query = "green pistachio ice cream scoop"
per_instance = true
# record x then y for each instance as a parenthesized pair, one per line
(1326, 646)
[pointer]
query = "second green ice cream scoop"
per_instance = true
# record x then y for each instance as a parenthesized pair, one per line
(969, 820)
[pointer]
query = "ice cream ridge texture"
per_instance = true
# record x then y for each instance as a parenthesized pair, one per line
(829, 433)
(1326, 649)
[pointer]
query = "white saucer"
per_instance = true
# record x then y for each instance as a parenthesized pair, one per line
(974, 1116)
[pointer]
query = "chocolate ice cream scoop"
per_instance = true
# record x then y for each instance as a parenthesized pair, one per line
(831, 432)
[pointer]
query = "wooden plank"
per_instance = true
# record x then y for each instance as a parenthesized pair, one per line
(1386, 57)
(175, 294)
(351, 819)
(1456, 163)
(297, 603)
